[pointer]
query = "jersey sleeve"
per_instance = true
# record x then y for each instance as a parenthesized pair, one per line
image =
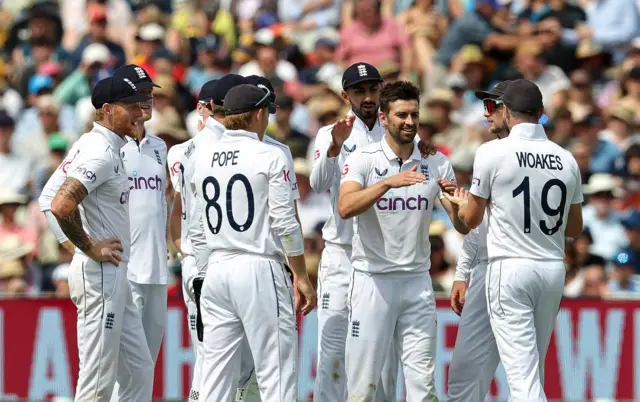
(467, 256)
(446, 173)
(482, 173)
(93, 170)
(173, 163)
(295, 194)
(281, 209)
(195, 226)
(355, 169)
(324, 168)
(578, 197)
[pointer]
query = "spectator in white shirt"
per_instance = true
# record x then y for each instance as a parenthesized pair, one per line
(267, 63)
(14, 168)
(313, 207)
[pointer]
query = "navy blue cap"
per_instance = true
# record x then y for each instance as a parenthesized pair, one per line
(245, 98)
(360, 72)
(209, 42)
(632, 221)
(207, 92)
(137, 75)
(163, 53)
(626, 256)
(116, 89)
(265, 85)
(495, 92)
(224, 84)
(523, 96)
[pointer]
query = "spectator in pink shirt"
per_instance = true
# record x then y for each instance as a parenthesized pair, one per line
(9, 203)
(373, 39)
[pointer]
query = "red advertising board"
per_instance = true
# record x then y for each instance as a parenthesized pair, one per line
(593, 352)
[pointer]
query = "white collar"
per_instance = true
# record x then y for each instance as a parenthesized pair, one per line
(528, 131)
(112, 138)
(242, 133)
(214, 125)
(388, 152)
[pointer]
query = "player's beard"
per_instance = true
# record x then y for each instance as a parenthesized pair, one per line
(500, 129)
(123, 125)
(366, 110)
(403, 134)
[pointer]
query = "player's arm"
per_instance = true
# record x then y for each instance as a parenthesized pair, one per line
(65, 207)
(45, 201)
(447, 183)
(574, 220)
(175, 219)
(324, 167)
(453, 212)
(285, 225)
(471, 212)
(463, 271)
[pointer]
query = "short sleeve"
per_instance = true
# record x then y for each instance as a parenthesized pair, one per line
(354, 169)
(578, 197)
(92, 170)
(446, 173)
(482, 172)
(173, 163)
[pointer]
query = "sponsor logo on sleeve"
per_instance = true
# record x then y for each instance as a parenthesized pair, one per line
(345, 170)
(64, 166)
(88, 174)
(287, 175)
(175, 168)
(317, 154)
(475, 181)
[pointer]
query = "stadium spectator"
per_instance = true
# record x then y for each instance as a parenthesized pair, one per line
(14, 167)
(595, 282)
(312, 207)
(625, 265)
(210, 51)
(10, 202)
(448, 133)
(14, 266)
(602, 152)
(94, 65)
(283, 132)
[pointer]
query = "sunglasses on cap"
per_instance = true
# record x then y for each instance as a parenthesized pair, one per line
(491, 105)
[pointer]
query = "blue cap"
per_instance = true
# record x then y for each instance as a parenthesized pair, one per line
(264, 20)
(632, 221)
(626, 257)
(209, 42)
(39, 82)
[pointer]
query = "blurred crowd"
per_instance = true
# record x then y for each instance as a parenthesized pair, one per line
(583, 54)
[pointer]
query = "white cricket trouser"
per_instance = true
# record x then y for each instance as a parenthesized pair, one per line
(475, 357)
(151, 300)
(189, 271)
(394, 310)
(333, 320)
(249, 297)
(111, 341)
(523, 298)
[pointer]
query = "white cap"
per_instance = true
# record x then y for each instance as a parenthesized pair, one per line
(264, 37)
(48, 102)
(96, 53)
(151, 31)
(602, 183)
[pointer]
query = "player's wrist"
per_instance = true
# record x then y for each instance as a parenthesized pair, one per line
(334, 149)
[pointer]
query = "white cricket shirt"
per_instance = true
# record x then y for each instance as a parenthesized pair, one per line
(145, 166)
(530, 183)
(393, 235)
(99, 167)
(325, 174)
(174, 163)
(243, 188)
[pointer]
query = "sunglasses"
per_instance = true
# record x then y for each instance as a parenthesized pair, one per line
(491, 105)
(265, 98)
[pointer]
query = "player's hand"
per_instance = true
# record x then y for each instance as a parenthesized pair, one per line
(458, 198)
(339, 134)
(307, 300)
(427, 148)
(405, 178)
(447, 186)
(107, 250)
(458, 293)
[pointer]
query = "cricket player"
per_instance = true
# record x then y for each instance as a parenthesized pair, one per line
(532, 190)
(246, 202)
(475, 355)
(361, 84)
(144, 158)
(390, 189)
(92, 210)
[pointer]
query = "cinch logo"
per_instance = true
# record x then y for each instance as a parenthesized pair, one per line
(86, 173)
(400, 204)
(145, 183)
(64, 166)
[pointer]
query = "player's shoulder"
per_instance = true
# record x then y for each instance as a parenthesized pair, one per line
(94, 145)
(177, 151)
(325, 131)
(273, 142)
(439, 159)
(157, 142)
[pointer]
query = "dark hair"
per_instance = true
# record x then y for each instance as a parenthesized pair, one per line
(632, 152)
(395, 91)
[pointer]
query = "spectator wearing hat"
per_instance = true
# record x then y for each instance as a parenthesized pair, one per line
(35, 145)
(97, 33)
(625, 266)
(600, 217)
(603, 153)
(620, 121)
(531, 65)
(373, 38)
(14, 267)
(11, 101)
(10, 202)
(30, 122)
(297, 142)
(631, 224)
(267, 63)
(95, 64)
(440, 104)
(210, 51)
(149, 38)
(15, 168)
